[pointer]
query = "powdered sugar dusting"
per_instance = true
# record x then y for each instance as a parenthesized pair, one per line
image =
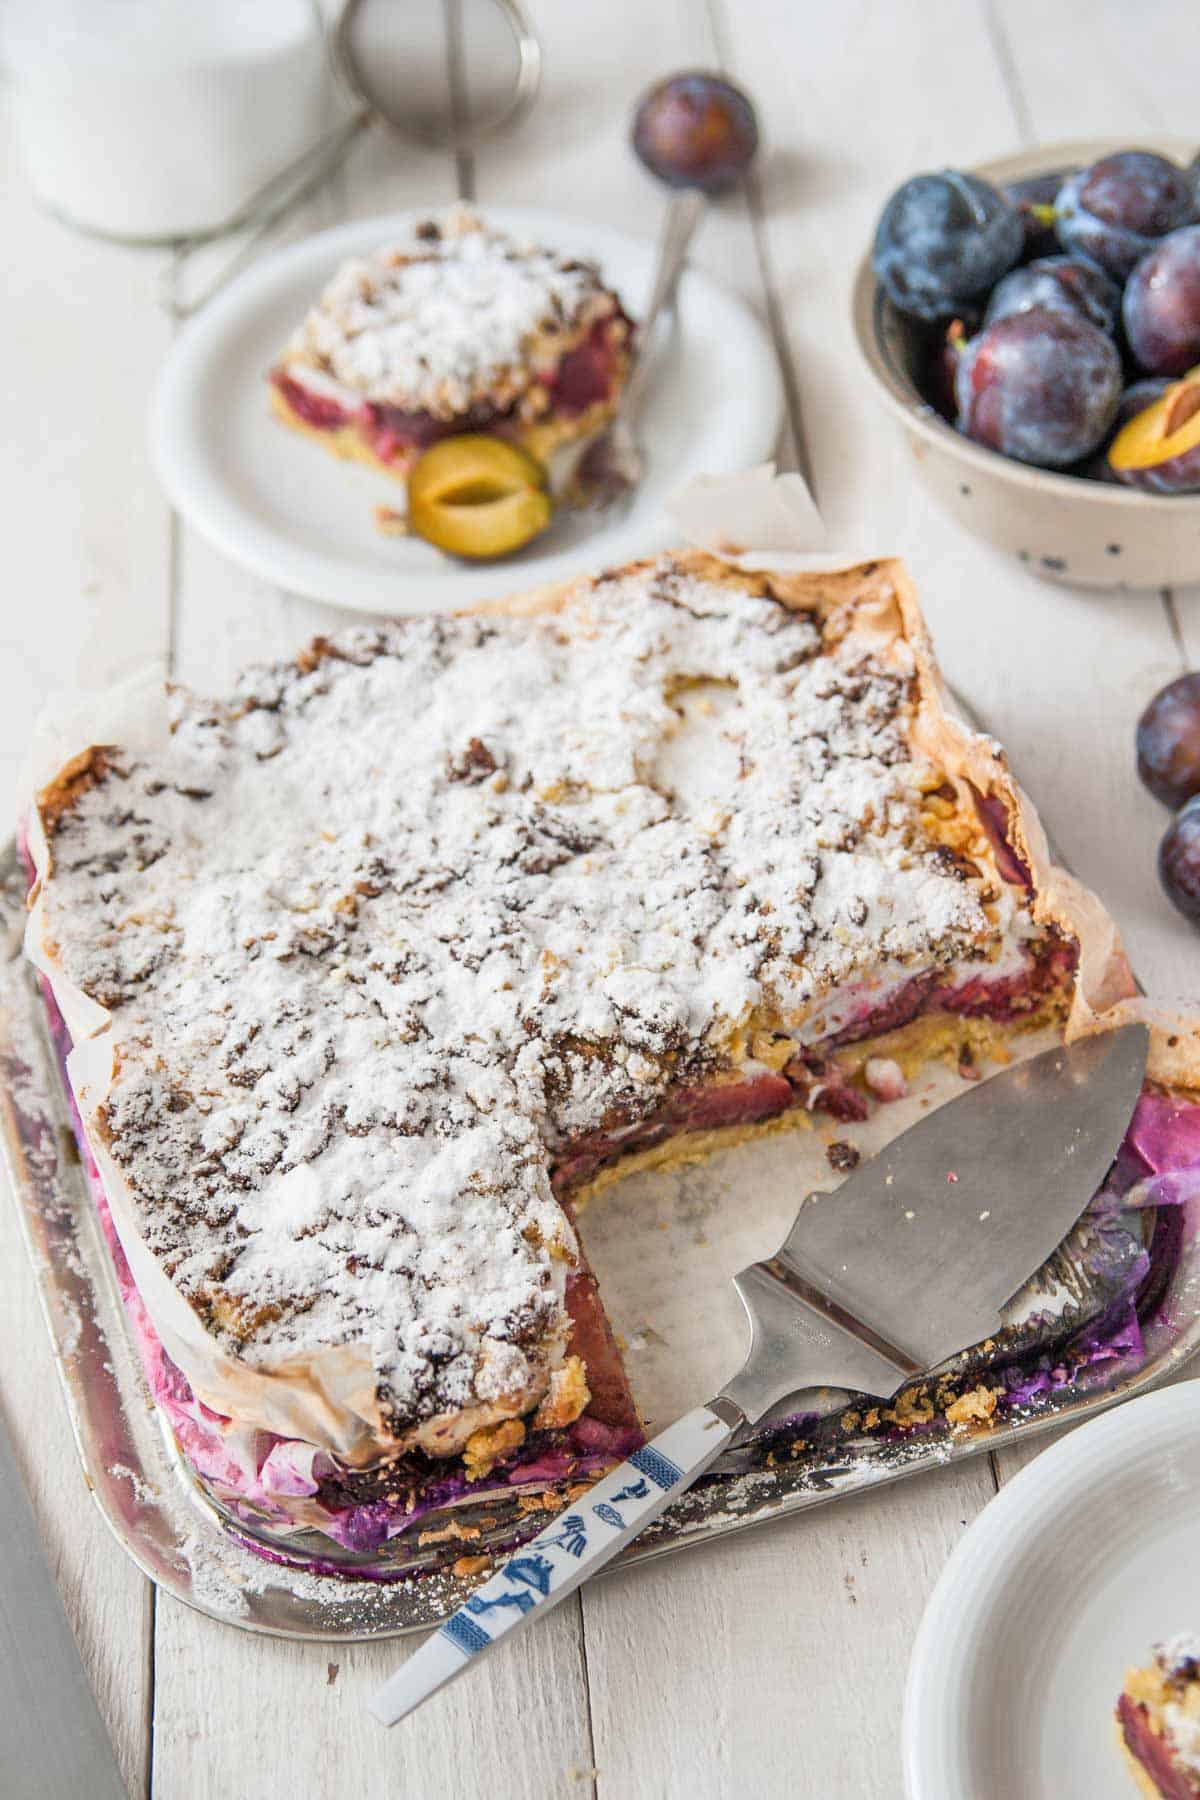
(448, 317)
(382, 932)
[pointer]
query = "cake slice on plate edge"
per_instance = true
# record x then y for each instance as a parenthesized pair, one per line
(1158, 1721)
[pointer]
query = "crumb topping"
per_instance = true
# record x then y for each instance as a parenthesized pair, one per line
(453, 315)
(388, 928)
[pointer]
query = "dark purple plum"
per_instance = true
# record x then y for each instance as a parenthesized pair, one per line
(1134, 400)
(1034, 199)
(1039, 386)
(695, 131)
(1138, 396)
(1168, 742)
(1116, 210)
(1161, 307)
(1179, 861)
(1063, 284)
(941, 240)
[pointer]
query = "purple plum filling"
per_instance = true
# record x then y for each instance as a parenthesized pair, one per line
(584, 377)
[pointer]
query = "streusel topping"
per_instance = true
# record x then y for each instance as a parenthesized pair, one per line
(389, 926)
(448, 317)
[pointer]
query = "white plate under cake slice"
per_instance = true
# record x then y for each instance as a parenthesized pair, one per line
(376, 968)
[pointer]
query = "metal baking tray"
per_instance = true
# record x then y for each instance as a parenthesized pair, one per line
(700, 1217)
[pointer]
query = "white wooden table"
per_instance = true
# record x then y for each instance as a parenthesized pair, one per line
(772, 1663)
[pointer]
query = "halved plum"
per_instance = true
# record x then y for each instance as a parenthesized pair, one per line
(1159, 449)
(477, 497)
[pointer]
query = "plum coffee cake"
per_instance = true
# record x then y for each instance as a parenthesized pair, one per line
(369, 975)
(1158, 1721)
(454, 328)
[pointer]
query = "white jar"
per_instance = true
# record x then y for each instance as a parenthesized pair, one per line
(153, 120)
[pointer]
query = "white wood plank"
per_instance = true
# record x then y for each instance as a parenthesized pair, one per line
(85, 587)
(85, 525)
(246, 1718)
(774, 1663)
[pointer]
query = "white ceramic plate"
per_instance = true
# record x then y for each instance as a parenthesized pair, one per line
(1088, 1558)
(303, 520)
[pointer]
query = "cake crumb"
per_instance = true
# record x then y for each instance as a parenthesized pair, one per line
(973, 1408)
(466, 1566)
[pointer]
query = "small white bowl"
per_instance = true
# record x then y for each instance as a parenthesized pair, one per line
(1086, 533)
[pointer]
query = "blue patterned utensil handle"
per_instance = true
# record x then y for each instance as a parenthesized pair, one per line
(570, 1550)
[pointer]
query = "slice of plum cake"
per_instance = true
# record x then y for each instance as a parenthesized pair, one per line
(454, 327)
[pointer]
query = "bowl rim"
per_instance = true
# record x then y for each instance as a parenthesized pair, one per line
(917, 414)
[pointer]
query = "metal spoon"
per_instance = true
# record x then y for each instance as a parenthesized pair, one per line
(605, 469)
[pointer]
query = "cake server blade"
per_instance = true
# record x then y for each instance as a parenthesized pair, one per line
(909, 1262)
(930, 1238)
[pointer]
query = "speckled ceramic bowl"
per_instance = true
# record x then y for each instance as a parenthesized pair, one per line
(1063, 526)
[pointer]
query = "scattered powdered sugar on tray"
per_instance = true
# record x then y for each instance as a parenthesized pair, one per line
(384, 930)
(448, 317)
(227, 1581)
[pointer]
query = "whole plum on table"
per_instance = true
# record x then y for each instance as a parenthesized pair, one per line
(695, 131)
(1168, 742)
(1158, 449)
(1116, 210)
(1034, 199)
(1179, 861)
(1161, 307)
(942, 239)
(1062, 284)
(1039, 386)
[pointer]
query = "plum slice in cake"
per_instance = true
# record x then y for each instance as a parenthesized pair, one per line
(1158, 1720)
(370, 973)
(454, 328)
